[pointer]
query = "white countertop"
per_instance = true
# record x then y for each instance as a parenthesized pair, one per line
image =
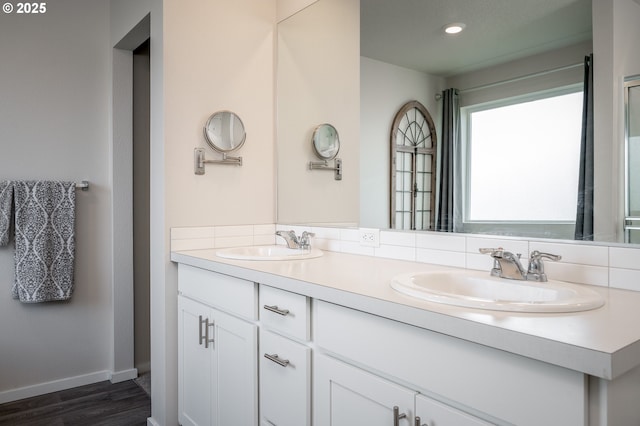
(604, 342)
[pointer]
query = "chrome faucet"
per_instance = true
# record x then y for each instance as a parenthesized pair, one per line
(507, 265)
(293, 242)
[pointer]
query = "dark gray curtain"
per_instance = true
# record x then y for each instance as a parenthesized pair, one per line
(445, 215)
(584, 216)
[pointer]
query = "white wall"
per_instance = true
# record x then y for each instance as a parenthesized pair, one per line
(286, 8)
(54, 125)
(384, 88)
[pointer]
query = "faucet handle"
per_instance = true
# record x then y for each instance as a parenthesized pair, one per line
(537, 255)
(491, 251)
(535, 272)
(305, 239)
(496, 271)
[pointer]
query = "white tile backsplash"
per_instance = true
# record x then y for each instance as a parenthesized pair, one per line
(234, 231)
(626, 279)
(392, 238)
(575, 253)
(600, 265)
(441, 257)
(326, 233)
(436, 241)
(477, 261)
(349, 235)
(627, 258)
(575, 273)
(264, 229)
(234, 241)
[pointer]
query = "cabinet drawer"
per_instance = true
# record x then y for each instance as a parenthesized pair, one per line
(285, 312)
(227, 293)
(285, 394)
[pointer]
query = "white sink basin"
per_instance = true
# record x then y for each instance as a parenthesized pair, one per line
(480, 290)
(267, 253)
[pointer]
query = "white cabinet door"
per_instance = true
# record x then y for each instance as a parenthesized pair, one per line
(432, 412)
(346, 395)
(195, 364)
(235, 371)
(217, 367)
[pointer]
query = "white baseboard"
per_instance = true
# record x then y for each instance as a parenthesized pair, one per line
(53, 386)
(152, 422)
(121, 376)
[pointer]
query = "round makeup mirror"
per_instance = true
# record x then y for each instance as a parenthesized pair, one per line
(224, 131)
(326, 142)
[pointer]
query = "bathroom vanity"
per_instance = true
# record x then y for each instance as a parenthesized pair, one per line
(327, 341)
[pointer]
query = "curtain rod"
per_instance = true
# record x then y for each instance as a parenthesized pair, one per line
(515, 79)
(524, 77)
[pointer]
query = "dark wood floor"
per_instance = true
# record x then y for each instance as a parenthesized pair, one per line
(98, 404)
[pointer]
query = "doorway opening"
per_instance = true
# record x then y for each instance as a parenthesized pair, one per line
(141, 209)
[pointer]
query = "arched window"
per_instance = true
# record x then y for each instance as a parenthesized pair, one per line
(413, 168)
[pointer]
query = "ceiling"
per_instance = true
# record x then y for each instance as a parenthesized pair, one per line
(409, 33)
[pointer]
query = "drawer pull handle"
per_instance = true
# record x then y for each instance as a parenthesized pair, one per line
(283, 312)
(274, 358)
(417, 423)
(397, 416)
(204, 337)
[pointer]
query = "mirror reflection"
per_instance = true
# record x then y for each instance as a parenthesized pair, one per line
(632, 160)
(507, 51)
(325, 141)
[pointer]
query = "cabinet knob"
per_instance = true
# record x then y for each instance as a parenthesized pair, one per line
(397, 416)
(275, 309)
(274, 358)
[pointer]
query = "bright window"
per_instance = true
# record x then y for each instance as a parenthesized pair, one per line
(522, 159)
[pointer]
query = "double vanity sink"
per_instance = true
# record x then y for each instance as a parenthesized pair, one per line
(471, 289)
(456, 339)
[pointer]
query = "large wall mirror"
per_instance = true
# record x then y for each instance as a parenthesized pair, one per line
(403, 56)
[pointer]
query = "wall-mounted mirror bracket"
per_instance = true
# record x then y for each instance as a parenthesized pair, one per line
(199, 161)
(324, 165)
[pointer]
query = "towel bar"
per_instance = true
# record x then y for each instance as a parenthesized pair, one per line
(84, 185)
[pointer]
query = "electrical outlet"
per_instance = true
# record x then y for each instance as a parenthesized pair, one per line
(369, 237)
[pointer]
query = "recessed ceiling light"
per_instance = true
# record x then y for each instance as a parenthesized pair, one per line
(454, 28)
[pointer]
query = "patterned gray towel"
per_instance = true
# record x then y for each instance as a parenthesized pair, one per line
(6, 200)
(45, 240)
